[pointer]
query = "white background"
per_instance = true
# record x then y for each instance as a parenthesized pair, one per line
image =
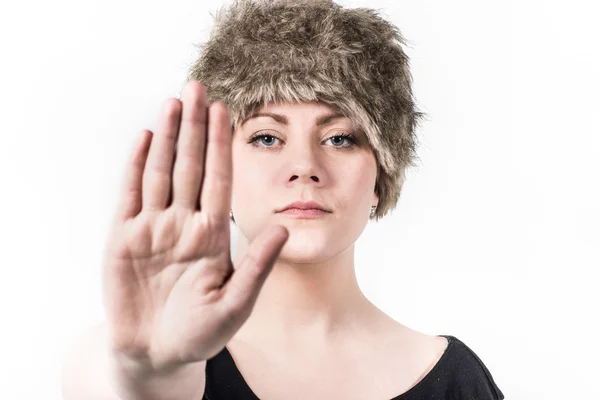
(496, 237)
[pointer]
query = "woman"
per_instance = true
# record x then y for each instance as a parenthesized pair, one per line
(298, 124)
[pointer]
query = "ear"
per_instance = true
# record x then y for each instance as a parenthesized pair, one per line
(375, 201)
(375, 197)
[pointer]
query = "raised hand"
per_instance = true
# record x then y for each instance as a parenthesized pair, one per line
(170, 290)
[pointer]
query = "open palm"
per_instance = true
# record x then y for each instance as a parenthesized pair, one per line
(170, 290)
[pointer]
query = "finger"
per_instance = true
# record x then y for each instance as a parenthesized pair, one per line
(241, 291)
(189, 159)
(215, 192)
(130, 199)
(157, 175)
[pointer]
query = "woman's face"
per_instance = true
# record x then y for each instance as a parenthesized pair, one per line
(300, 159)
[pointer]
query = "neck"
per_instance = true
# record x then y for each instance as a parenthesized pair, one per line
(308, 304)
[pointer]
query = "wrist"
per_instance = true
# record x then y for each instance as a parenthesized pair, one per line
(138, 380)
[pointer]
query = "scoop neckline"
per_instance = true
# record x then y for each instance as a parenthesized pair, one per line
(430, 375)
(403, 396)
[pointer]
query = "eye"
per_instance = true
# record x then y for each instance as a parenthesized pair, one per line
(337, 139)
(261, 136)
(348, 137)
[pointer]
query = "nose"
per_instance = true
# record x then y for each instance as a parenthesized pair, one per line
(304, 166)
(296, 177)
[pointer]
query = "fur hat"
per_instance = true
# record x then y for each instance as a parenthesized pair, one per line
(263, 51)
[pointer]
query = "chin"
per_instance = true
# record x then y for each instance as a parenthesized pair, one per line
(306, 246)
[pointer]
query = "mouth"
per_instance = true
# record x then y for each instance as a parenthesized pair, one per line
(305, 205)
(304, 213)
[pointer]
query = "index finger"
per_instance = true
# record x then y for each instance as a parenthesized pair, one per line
(215, 195)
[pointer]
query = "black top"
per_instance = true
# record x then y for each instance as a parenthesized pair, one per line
(459, 374)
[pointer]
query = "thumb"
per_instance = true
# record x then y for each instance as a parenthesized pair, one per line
(246, 281)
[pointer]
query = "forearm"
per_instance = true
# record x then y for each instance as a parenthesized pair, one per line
(90, 372)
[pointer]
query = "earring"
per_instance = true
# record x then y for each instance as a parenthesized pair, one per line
(231, 215)
(373, 210)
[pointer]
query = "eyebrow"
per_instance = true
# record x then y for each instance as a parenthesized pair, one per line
(281, 119)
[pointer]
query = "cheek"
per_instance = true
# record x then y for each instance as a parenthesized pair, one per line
(360, 175)
(251, 179)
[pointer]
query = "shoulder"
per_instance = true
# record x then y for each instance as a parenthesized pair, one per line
(446, 368)
(464, 375)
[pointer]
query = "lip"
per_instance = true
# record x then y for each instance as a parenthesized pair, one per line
(305, 206)
(304, 213)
